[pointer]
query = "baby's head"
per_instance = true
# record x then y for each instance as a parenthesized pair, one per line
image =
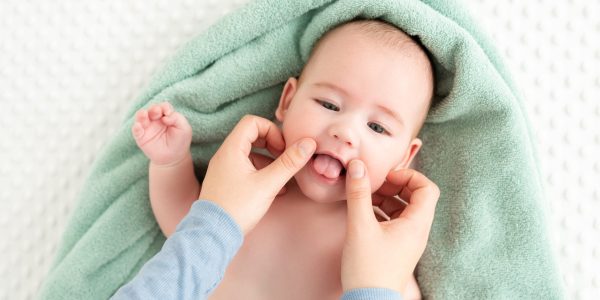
(364, 93)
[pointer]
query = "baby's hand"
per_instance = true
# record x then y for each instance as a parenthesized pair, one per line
(163, 134)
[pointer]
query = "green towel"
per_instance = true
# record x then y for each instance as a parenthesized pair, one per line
(489, 238)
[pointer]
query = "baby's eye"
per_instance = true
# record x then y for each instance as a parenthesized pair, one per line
(376, 127)
(328, 105)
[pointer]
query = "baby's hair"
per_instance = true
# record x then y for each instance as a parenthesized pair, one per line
(389, 36)
(384, 32)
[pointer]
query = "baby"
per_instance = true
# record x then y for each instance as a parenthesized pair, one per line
(364, 93)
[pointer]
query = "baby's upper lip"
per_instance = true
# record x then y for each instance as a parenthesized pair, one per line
(343, 161)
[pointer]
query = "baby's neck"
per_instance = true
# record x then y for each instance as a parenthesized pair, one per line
(304, 218)
(295, 198)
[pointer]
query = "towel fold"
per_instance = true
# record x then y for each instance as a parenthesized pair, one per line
(489, 239)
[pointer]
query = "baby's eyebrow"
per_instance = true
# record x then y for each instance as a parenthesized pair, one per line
(391, 113)
(340, 90)
(333, 87)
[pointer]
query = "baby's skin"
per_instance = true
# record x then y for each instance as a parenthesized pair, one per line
(164, 136)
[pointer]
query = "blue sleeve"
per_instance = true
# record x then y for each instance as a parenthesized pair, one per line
(193, 260)
(371, 294)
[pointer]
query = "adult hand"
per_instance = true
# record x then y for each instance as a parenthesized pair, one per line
(232, 180)
(385, 254)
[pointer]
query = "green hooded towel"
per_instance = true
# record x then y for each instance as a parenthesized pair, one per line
(489, 238)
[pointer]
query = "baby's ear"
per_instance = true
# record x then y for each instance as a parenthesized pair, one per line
(286, 98)
(411, 152)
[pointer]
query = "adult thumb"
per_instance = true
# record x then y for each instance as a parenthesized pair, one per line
(358, 197)
(294, 158)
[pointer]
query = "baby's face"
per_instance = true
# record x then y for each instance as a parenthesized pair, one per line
(357, 99)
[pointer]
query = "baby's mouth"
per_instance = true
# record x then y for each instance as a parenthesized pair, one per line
(328, 166)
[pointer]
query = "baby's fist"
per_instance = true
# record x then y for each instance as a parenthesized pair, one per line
(163, 134)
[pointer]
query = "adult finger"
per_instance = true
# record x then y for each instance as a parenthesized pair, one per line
(389, 204)
(251, 130)
(423, 193)
(358, 197)
(391, 189)
(272, 148)
(277, 174)
(260, 161)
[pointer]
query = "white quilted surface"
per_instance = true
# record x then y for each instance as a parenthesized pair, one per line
(70, 69)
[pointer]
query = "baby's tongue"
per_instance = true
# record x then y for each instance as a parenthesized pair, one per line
(327, 166)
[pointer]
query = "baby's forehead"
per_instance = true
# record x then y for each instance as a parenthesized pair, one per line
(378, 34)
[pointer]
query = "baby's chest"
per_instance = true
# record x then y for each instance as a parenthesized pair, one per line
(289, 255)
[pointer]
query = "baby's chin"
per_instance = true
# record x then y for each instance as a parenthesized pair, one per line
(318, 192)
(320, 196)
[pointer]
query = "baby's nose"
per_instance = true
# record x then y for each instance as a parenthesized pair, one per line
(344, 140)
(343, 134)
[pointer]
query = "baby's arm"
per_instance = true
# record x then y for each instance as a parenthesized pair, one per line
(173, 189)
(165, 138)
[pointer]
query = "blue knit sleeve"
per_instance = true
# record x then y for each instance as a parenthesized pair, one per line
(371, 294)
(192, 261)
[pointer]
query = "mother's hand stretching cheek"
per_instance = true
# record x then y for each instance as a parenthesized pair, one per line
(384, 254)
(233, 182)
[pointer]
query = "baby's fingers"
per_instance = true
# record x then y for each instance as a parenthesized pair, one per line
(155, 112)
(137, 130)
(177, 120)
(142, 117)
(167, 108)
(169, 120)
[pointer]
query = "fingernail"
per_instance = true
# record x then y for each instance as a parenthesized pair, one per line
(306, 147)
(356, 169)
